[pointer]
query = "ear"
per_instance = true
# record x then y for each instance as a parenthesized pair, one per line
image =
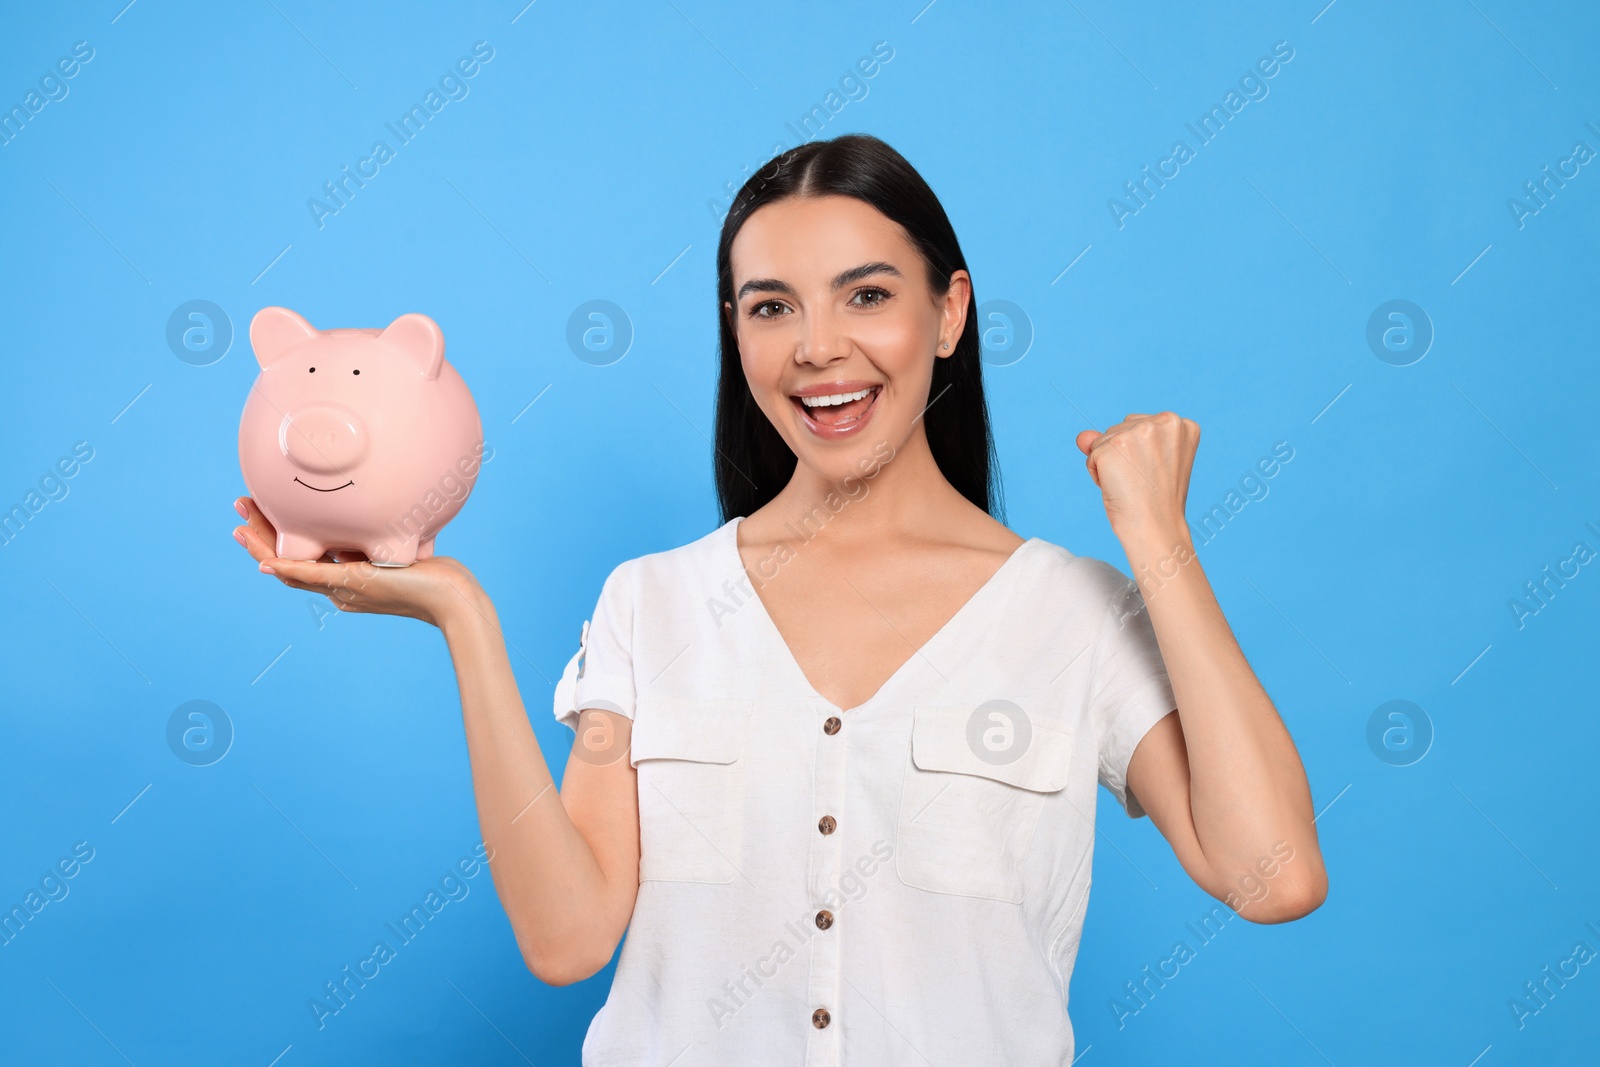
(274, 331)
(420, 338)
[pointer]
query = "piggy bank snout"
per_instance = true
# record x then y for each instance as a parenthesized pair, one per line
(324, 439)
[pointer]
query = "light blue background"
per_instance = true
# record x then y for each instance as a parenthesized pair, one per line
(1379, 566)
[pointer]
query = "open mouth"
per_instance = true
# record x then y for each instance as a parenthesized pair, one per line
(335, 489)
(837, 412)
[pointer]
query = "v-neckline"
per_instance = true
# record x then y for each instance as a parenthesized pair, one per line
(993, 581)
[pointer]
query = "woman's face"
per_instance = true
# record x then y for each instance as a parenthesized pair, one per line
(838, 329)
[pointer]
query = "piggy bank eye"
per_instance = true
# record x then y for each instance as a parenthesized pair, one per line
(313, 370)
(355, 372)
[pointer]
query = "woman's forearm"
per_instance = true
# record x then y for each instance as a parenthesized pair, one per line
(544, 871)
(1247, 787)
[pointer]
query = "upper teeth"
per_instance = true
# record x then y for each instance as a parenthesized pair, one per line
(836, 398)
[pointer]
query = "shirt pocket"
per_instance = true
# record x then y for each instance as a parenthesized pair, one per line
(966, 821)
(688, 752)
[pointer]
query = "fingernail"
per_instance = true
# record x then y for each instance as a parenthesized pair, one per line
(238, 535)
(266, 569)
(238, 505)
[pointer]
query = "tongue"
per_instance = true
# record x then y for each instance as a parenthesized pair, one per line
(841, 413)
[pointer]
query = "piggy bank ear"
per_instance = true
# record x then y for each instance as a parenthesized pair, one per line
(419, 339)
(275, 331)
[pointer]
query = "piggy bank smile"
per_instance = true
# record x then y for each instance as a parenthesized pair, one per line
(330, 404)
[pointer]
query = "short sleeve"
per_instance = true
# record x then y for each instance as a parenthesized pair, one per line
(1129, 691)
(600, 673)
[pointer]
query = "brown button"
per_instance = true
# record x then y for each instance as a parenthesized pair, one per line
(826, 824)
(824, 919)
(820, 1018)
(831, 727)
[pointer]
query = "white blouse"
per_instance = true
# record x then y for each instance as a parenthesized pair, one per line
(900, 883)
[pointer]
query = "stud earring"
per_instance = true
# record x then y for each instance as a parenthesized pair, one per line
(947, 344)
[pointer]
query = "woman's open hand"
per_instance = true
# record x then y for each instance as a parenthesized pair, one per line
(430, 589)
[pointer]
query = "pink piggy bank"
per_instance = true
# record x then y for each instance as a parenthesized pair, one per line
(357, 439)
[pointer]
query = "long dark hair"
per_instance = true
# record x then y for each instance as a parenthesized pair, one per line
(752, 461)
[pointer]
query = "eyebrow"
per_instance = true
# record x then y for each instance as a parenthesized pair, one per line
(844, 278)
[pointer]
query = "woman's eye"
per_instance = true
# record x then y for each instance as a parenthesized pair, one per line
(869, 297)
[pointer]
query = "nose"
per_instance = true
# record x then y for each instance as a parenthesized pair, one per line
(823, 341)
(323, 440)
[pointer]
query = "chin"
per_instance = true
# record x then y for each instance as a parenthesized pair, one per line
(851, 465)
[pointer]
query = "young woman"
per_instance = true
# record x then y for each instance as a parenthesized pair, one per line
(835, 762)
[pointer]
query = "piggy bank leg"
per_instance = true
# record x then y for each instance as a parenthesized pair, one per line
(425, 549)
(383, 554)
(299, 546)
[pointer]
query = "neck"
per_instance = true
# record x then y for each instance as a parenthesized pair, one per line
(902, 494)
